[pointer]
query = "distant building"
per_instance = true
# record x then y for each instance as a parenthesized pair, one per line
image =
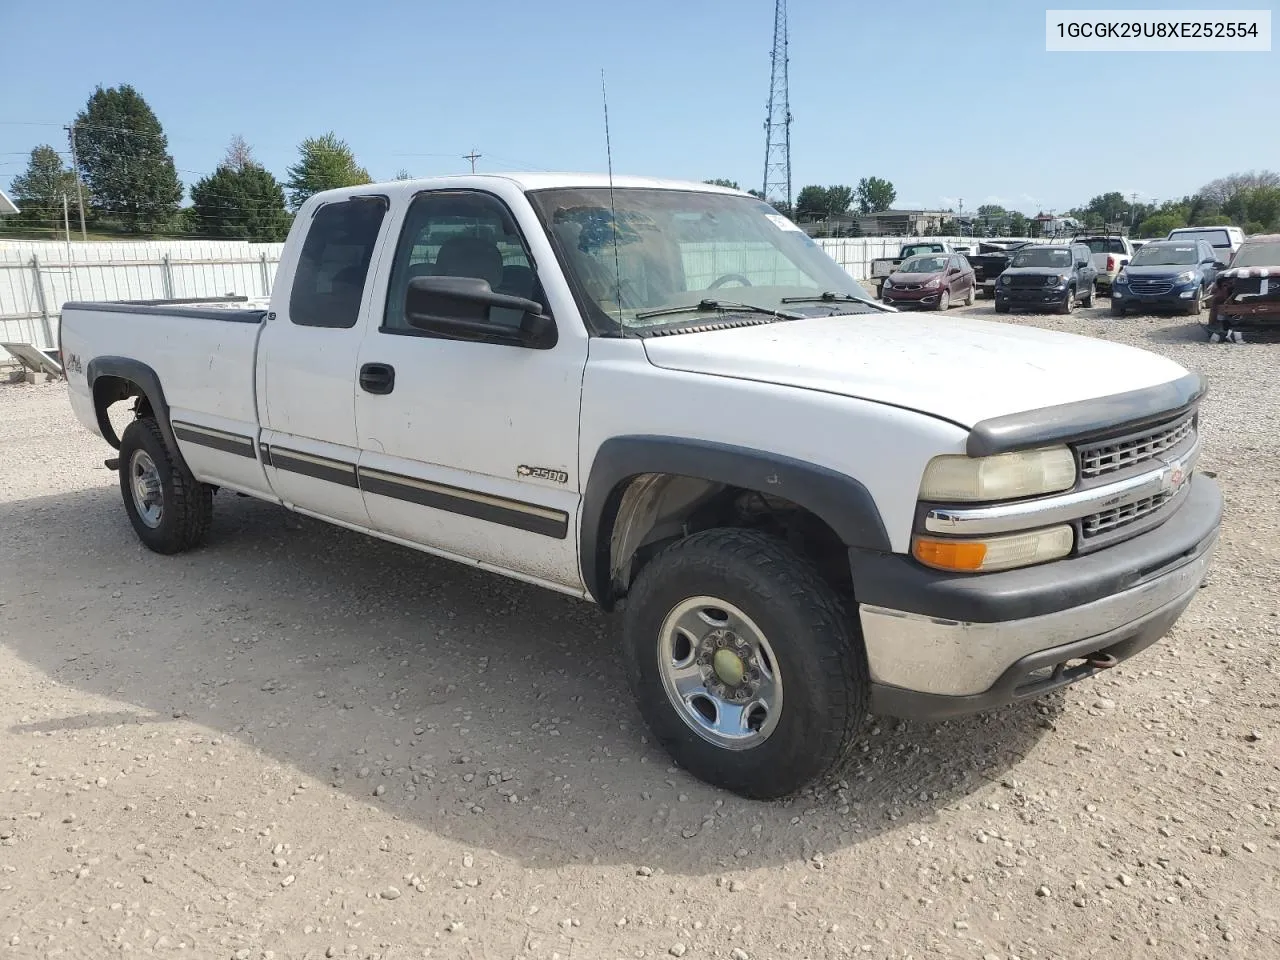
(1047, 225)
(904, 223)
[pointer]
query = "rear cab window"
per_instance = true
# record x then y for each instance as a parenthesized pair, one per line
(334, 263)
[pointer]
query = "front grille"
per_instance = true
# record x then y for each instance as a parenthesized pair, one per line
(1108, 520)
(1150, 288)
(1029, 280)
(1120, 453)
(905, 286)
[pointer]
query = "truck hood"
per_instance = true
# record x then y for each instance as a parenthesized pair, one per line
(961, 370)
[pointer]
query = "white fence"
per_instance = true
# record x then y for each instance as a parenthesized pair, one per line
(38, 277)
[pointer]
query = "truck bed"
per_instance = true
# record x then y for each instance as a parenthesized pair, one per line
(203, 352)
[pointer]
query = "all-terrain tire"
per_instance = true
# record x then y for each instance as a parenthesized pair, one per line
(820, 660)
(1196, 307)
(186, 504)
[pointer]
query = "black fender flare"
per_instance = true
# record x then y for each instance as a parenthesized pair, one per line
(841, 501)
(135, 371)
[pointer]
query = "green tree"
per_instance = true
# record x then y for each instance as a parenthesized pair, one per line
(324, 163)
(124, 159)
(875, 194)
(816, 202)
(403, 174)
(245, 204)
(1159, 225)
(38, 190)
(1017, 224)
(1255, 205)
(722, 182)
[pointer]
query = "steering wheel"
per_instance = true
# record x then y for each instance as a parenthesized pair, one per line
(727, 277)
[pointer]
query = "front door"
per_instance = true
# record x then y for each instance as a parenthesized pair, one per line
(307, 364)
(468, 447)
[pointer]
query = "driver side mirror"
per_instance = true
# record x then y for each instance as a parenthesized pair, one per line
(459, 308)
(1219, 265)
(1082, 263)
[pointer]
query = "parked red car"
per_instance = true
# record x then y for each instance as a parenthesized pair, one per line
(933, 281)
(1247, 293)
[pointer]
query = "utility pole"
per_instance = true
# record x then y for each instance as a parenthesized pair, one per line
(66, 218)
(75, 163)
(473, 157)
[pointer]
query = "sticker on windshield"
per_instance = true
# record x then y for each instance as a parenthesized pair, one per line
(1184, 249)
(782, 223)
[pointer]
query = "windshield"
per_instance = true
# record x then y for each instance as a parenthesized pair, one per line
(678, 247)
(924, 265)
(1218, 238)
(1104, 244)
(1042, 257)
(1165, 254)
(1258, 255)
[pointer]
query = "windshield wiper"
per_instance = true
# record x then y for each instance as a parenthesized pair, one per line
(829, 296)
(720, 306)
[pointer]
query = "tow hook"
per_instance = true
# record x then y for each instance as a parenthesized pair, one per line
(1102, 661)
(112, 464)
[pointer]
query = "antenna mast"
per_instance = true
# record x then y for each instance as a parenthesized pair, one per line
(777, 124)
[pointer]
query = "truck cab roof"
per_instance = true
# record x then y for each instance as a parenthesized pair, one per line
(527, 182)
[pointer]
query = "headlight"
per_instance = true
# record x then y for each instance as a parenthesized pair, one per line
(1057, 281)
(1005, 280)
(1185, 277)
(887, 283)
(1006, 476)
(1122, 277)
(994, 553)
(930, 284)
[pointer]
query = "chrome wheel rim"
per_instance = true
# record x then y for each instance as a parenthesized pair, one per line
(720, 673)
(144, 482)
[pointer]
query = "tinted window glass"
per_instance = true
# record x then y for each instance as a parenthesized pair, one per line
(334, 263)
(1218, 238)
(1042, 257)
(461, 234)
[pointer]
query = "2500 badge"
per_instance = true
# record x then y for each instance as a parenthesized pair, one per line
(543, 473)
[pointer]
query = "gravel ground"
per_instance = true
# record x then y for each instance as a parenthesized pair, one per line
(299, 742)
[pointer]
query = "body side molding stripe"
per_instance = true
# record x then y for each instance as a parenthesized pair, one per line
(216, 439)
(309, 465)
(468, 503)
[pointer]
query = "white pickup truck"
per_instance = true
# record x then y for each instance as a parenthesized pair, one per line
(807, 506)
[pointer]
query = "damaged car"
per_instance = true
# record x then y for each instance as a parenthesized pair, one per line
(1247, 293)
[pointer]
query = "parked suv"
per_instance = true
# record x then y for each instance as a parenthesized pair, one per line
(1051, 276)
(932, 280)
(1169, 274)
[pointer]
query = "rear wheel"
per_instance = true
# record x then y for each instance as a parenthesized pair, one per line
(971, 296)
(1087, 300)
(744, 662)
(170, 510)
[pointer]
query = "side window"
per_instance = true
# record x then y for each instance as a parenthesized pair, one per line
(461, 234)
(334, 263)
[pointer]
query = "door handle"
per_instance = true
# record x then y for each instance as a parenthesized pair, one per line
(377, 378)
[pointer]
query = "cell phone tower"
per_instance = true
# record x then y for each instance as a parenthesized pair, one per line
(777, 124)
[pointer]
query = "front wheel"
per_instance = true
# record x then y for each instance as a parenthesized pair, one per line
(744, 662)
(1068, 302)
(170, 510)
(1001, 307)
(1196, 306)
(944, 300)
(1116, 309)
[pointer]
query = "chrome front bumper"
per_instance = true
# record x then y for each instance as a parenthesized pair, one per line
(941, 645)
